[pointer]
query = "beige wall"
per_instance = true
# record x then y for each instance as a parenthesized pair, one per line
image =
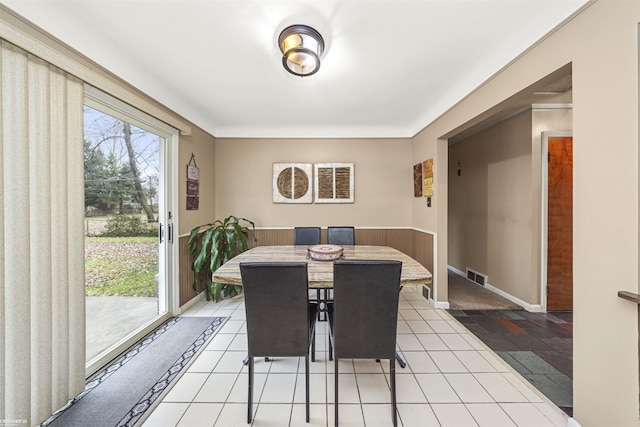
(489, 227)
(601, 42)
(201, 144)
(383, 181)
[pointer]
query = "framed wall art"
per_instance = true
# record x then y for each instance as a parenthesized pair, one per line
(292, 182)
(333, 182)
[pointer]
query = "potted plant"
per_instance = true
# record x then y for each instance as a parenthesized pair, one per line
(211, 245)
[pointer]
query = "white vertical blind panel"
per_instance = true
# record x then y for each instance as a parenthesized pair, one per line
(42, 189)
(17, 279)
(2, 254)
(39, 146)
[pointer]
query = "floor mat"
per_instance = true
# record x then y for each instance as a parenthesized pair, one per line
(120, 394)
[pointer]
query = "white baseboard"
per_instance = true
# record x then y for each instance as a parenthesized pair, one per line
(571, 422)
(192, 302)
(533, 308)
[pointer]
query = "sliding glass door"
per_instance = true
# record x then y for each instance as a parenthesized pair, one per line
(127, 226)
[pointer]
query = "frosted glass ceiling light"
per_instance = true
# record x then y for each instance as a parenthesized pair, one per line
(301, 48)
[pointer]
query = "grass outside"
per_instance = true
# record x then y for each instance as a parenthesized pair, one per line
(121, 266)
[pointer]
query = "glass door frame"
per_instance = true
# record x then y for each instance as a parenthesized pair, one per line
(168, 296)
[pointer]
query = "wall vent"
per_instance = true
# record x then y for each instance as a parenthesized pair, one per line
(426, 292)
(474, 276)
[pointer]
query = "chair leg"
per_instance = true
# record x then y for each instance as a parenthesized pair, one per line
(335, 405)
(330, 348)
(313, 345)
(392, 374)
(250, 397)
(306, 379)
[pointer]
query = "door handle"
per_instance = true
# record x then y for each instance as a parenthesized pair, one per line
(160, 233)
(170, 238)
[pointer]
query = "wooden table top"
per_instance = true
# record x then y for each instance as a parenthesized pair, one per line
(321, 272)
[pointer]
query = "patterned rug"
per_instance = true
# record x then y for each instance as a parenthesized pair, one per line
(120, 394)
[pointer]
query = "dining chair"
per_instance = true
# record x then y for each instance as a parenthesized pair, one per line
(306, 235)
(363, 316)
(341, 236)
(280, 318)
(311, 236)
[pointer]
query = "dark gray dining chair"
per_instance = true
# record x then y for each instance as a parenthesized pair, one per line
(280, 318)
(306, 235)
(344, 236)
(363, 316)
(311, 236)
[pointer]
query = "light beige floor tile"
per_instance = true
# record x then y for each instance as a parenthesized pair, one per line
(348, 415)
(317, 389)
(447, 361)
(369, 366)
(432, 341)
(474, 341)
(287, 365)
(553, 413)
(226, 313)
(216, 388)
(420, 326)
(348, 388)
(499, 387)
(526, 415)
(231, 327)
(455, 415)
(373, 388)
(239, 343)
(231, 362)
(186, 388)
(441, 327)
(403, 327)
(489, 415)
(378, 415)
(240, 391)
(474, 362)
(468, 388)
(317, 415)
(523, 387)
(220, 342)
(272, 414)
(320, 365)
(407, 389)
(420, 362)
(201, 415)
(204, 313)
(206, 361)
(495, 361)
(166, 414)
(429, 314)
(409, 314)
(420, 304)
(417, 415)
(279, 388)
(239, 314)
(456, 342)
(437, 389)
(457, 326)
(408, 342)
(233, 415)
(345, 366)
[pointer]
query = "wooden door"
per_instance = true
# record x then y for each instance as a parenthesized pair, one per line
(560, 224)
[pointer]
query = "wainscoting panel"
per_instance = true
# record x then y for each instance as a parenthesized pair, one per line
(417, 244)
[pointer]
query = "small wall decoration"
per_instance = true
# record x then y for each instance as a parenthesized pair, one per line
(417, 180)
(193, 184)
(334, 182)
(292, 183)
(427, 178)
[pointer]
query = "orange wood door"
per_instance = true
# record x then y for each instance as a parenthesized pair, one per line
(560, 224)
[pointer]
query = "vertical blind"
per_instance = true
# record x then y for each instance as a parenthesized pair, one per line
(42, 311)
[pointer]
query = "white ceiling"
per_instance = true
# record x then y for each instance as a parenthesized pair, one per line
(390, 67)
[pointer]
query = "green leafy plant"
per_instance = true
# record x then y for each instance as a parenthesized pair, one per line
(211, 245)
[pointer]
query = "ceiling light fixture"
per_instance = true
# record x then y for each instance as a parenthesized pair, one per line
(301, 48)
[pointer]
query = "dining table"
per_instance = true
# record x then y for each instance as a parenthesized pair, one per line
(320, 273)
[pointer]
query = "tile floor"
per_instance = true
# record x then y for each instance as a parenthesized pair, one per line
(539, 346)
(451, 379)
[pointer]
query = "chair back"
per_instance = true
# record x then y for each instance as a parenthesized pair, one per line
(341, 236)
(276, 305)
(306, 236)
(366, 295)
